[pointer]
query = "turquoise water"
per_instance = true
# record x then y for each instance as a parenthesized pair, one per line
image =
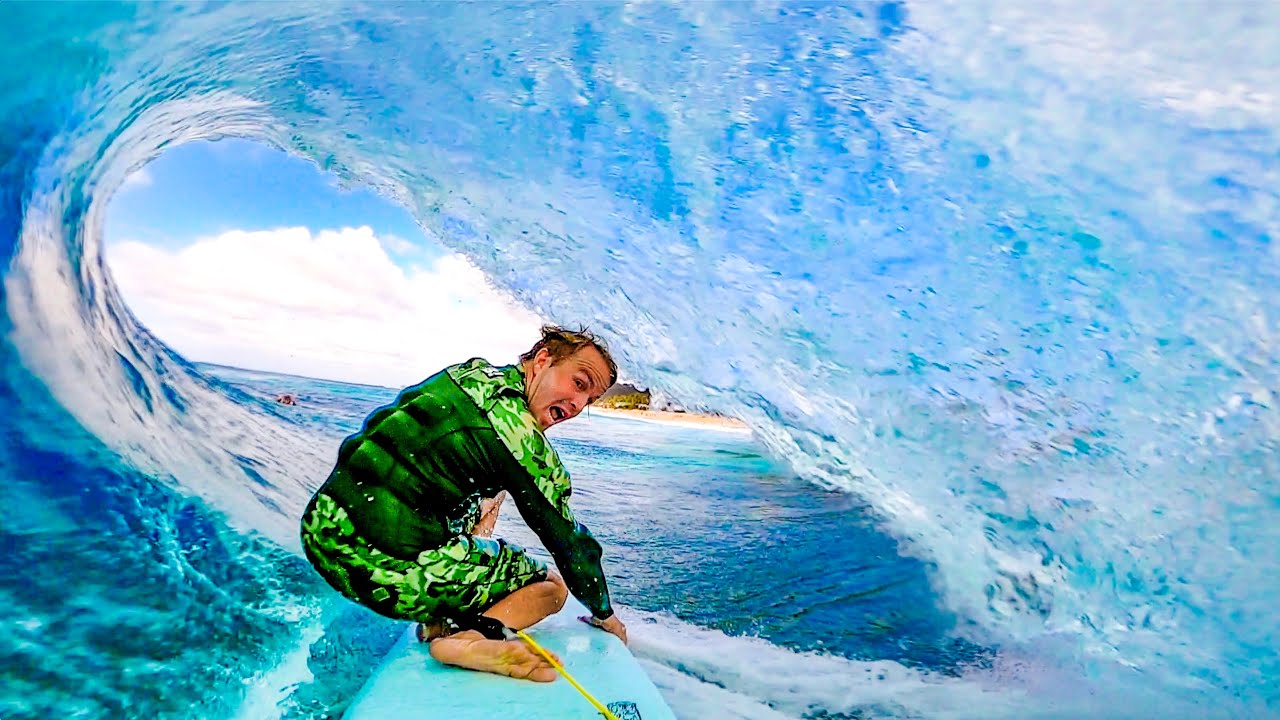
(993, 285)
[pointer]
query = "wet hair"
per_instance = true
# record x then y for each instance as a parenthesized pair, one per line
(561, 343)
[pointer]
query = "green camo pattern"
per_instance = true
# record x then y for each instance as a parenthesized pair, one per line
(464, 577)
(499, 392)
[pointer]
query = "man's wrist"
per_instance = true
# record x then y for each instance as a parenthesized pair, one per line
(603, 618)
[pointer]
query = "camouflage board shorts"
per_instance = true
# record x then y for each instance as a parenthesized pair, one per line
(461, 578)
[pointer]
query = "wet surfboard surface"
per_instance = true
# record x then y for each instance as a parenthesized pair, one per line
(410, 684)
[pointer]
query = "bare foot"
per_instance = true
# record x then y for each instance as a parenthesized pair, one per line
(489, 515)
(469, 649)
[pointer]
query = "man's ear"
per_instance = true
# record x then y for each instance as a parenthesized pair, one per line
(542, 360)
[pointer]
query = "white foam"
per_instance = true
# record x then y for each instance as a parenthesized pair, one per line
(705, 673)
(266, 690)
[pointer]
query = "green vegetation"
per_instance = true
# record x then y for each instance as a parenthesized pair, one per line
(638, 400)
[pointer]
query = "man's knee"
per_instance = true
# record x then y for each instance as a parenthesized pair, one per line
(559, 592)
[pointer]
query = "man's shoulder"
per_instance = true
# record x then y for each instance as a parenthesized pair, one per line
(483, 381)
(499, 392)
(480, 369)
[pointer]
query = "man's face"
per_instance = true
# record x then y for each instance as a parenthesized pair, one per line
(560, 390)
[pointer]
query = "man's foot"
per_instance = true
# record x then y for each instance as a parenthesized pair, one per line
(489, 510)
(469, 649)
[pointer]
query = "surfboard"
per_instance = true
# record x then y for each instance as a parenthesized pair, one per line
(410, 684)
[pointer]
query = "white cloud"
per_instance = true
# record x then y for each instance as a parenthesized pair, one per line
(140, 178)
(330, 304)
(397, 245)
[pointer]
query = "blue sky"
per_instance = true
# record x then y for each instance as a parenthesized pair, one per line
(235, 253)
(206, 188)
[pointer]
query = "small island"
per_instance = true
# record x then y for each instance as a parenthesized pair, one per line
(625, 400)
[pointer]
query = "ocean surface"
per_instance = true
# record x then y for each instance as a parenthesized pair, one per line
(994, 285)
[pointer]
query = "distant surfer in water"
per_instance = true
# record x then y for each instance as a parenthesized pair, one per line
(401, 525)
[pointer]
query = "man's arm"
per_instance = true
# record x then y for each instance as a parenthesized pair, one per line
(532, 473)
(570, 543)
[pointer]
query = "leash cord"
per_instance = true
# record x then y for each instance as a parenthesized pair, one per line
(560, 669)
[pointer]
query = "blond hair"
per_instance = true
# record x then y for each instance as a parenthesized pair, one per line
(561, 343)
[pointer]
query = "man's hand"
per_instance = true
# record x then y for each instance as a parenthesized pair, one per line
(612, 625)
(488, 515)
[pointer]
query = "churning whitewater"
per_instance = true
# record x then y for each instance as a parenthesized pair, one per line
(1005, 277)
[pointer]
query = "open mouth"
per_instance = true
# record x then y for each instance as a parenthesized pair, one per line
(557, 414)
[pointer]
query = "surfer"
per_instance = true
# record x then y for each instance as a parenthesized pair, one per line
(401, 525)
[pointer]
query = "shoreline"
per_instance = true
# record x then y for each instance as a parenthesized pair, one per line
(694, 419)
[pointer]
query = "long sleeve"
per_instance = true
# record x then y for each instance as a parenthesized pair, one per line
(571, 544)
(532, 472)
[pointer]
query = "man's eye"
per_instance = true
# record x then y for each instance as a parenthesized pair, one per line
(581, 385)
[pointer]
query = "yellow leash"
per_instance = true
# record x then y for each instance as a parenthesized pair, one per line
(560, 669)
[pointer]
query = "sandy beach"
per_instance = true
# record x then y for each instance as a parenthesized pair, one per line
(705, 420)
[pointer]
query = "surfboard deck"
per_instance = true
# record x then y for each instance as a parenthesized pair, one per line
(410, 684)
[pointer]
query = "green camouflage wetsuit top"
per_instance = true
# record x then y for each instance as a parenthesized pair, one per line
(391, 527)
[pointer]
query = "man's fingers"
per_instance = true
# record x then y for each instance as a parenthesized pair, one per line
(613, 626)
